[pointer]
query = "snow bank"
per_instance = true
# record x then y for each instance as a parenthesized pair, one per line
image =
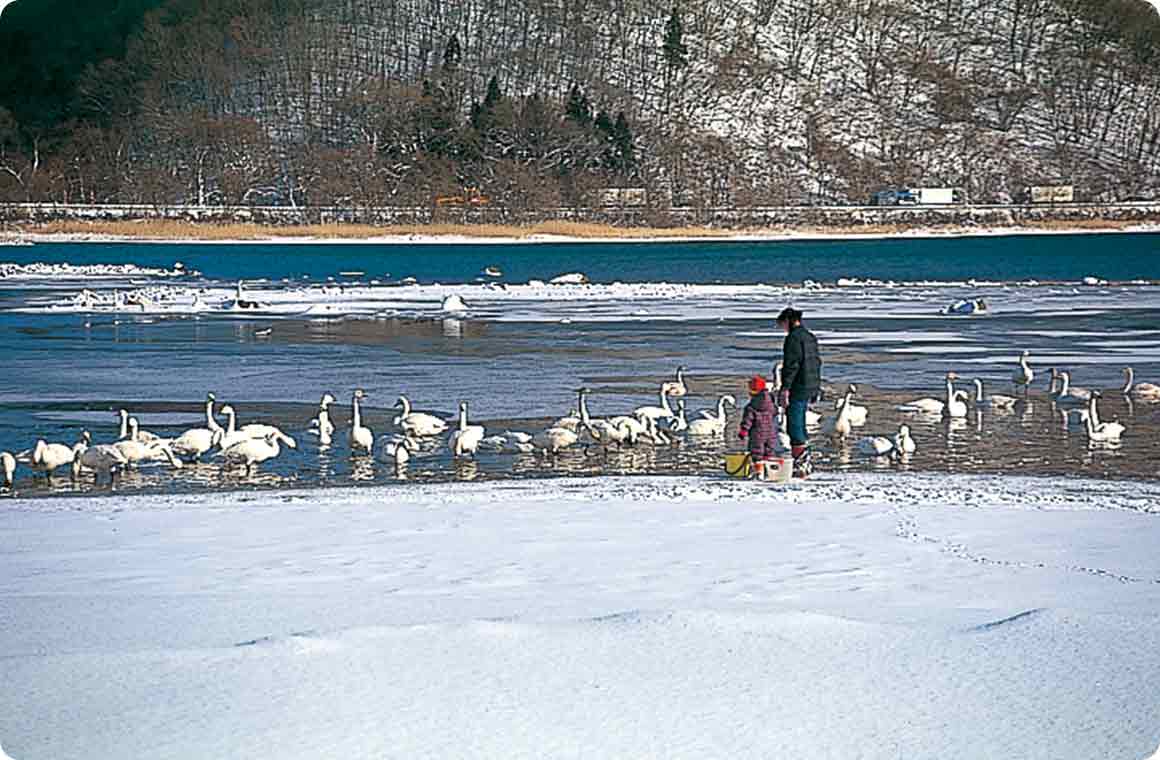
(869, 616)
(42, 270)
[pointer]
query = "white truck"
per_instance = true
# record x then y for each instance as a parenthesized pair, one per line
(933, 196)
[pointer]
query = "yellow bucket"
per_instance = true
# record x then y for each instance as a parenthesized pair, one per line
(739, 465)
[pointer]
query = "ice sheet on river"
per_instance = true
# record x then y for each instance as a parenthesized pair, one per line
(539, 301)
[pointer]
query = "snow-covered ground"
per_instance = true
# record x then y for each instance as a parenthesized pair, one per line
(862, 617)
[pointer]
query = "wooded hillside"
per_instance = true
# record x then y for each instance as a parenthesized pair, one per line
(545, 102)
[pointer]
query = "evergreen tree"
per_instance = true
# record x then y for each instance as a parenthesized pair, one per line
(675, 53)
(452, 54)
(622, 143)
(494, 94)
(577, 110)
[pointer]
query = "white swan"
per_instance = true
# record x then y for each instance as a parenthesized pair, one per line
(7, 469)
(840, 424)
(142, 435)
(777, 368)
(254, 451)
(555, 439)
(322, 426)
(857, 414)
(1139, 391)
(654, 413)
(632, 428)
(678, 423)
(196, 442)
(103, 459)
(710, 424)
(1024, 375)
(993, 401)
(931, 406)
(903, 443)
(676, 388)
(361, 436)
(464, 440)
(606, 433)
(517, 437)
(874, 446)
(48, 457)
(230, 435)
(956, 406)
(418, 424)
(1070, 396)
(397, 450)
(1100, 432)
(135, 450)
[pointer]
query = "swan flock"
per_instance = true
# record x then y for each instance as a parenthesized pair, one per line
(248, 446)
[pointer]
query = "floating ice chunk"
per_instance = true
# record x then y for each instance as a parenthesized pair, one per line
(572, 278)
(453, 303)
(1089, 280)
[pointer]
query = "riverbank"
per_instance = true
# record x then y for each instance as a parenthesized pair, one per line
(551, 232)
(868, 616)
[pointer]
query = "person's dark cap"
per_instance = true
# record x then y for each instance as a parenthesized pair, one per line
(788, 315)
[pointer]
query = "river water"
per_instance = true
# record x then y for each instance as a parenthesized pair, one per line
(87, 329)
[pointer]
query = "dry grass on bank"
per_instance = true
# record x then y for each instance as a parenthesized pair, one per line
(161, 229)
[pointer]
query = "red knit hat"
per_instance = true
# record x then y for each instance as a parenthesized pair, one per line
(756, 385)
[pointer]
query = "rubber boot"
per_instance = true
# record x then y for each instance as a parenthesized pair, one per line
(802, 467)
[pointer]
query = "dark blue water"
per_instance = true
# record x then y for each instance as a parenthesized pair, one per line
(1006, 258)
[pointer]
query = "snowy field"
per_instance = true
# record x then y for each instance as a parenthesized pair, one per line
(871, 616)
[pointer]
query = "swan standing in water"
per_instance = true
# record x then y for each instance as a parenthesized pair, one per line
(676, 388)
(1024, 375)
(361, 436)
(840, 424)
(7, 469)
(321, 425)
(398, 450)
(710, 424)
(47, 457)
(1139, 391)
(678, 423)
(1069, 396)
(196, 442)
(135, 450)
(142, 435)
(903, 443)
(102, 459)
(856, 413)
(1100, 432)
(956, 406)
(994, 401)
(254, 451)
(655, 413)
(931, 406)
(464, 440)
(418, 424)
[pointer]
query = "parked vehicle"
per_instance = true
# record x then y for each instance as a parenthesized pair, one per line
(918, 196)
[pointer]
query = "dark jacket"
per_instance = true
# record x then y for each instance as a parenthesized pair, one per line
(759, 423)
(801, 372)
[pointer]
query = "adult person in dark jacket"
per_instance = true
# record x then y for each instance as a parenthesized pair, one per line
(801, 382)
